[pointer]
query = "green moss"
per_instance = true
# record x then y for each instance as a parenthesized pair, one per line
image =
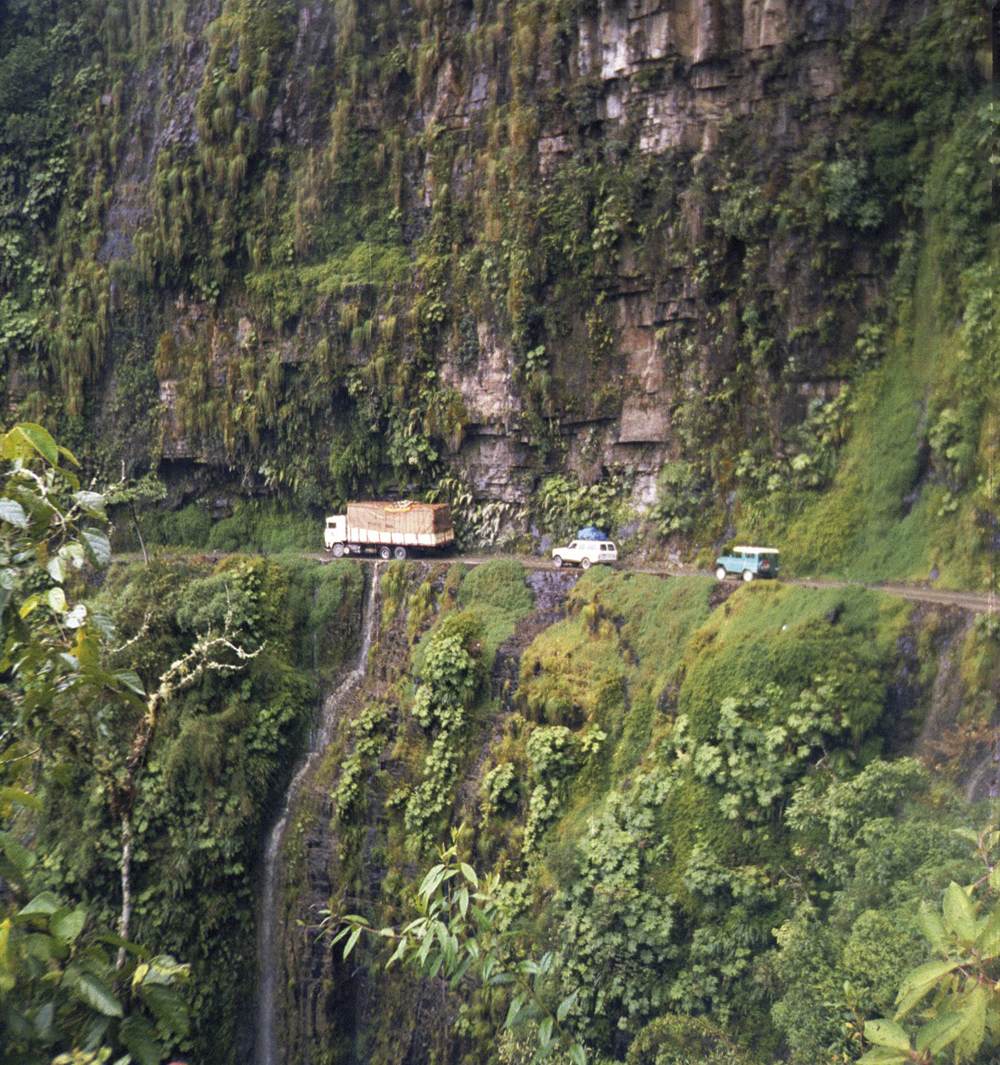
(496, 590)
(908, 499)
(777, 634)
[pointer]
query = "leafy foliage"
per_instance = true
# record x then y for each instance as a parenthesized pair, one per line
(59, 985)
(440, 705)
(564, 505)
(962, 1019)
(74, 712)
(459, 936)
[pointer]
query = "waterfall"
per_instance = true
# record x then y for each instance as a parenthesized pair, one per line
(269, 953)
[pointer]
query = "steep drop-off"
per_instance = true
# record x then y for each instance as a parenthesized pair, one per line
(695, 795)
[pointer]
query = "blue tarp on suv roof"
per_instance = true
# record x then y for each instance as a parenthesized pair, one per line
(591, 532)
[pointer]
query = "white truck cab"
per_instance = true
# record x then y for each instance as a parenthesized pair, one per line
(336, 531)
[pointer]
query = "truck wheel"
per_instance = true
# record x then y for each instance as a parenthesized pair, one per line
(557, 561)
(748, 575)
(721, 573)
(338, 550)
(400, 552)
(384, 553)
(585, 563)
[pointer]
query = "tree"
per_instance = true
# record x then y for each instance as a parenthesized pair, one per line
(59, 987)
(148, 489)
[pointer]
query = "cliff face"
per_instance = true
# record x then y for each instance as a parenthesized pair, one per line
(677, 91)
(342, 247)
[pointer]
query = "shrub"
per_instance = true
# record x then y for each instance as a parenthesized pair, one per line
(188, 527)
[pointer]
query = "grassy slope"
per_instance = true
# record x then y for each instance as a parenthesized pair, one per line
(884, 518)
(637, 851)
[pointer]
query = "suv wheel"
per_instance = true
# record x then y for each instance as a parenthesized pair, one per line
(557, 561)
(748, 575)
(720, 572)
(585, 563)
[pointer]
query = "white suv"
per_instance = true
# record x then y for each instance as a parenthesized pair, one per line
(585, 553)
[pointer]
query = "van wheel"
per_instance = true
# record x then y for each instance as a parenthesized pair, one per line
(748, 575)
(338, 550)
(400, 552)
(721, 573)
(384, 552)
(585, 563)
(557, 561)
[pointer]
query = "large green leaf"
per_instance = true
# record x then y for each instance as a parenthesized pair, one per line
(973, 1028)
(17, 855)
(44, 903)
(13, 513)
(68, 924)
(20, 796)
(131, 681)
(98, 544)
(959, 913)
(30, 437)
(885, 1056)
(939, 1033)
(565, 1006)
(886, 1033)
(989, 940)
(91, 502)
(934, 929)
(919, 982)
(577, 1054)
(140, 1038)
(45, 1018)
(98, 995)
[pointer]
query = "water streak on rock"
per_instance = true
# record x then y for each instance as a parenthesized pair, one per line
(269, 929)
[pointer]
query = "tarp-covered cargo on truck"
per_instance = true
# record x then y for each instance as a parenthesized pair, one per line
(426, 524)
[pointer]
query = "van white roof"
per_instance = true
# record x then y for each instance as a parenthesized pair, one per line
(758, 550)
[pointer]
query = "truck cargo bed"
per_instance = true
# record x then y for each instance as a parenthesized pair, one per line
(410, 524)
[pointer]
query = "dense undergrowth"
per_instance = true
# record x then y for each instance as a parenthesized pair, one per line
(691, 793)
(698, 806)
(221, 755)
(916, 490)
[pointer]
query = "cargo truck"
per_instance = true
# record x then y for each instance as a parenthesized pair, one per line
(390, 530)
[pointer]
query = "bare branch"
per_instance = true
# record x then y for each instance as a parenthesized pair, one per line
(143, 629)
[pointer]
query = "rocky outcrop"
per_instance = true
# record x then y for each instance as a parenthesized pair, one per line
(722, 100)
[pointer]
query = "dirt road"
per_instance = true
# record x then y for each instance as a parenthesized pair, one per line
(975, 602)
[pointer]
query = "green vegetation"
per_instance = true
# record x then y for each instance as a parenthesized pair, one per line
(459, 937)
(915, 487)
(145, 734)
(253, 264)
(914, 449)
(261, 528)
(304, 298)
(690, 830)
(962, 1024)
(696, 814)
(61, 991)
